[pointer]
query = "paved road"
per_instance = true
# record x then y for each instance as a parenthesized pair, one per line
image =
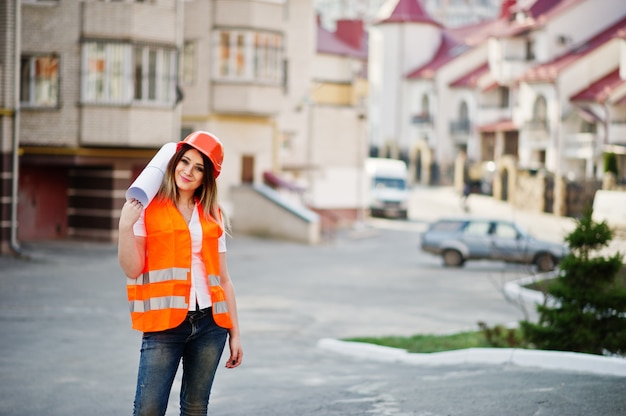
(66, 346)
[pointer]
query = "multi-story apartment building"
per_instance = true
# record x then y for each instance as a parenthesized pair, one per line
(98, 92)
(87, 88)
(103, 84)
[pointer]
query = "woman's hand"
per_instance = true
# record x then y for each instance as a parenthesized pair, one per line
(236, 352)
(131, 211)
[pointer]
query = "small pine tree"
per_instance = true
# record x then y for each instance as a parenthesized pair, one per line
(585, 307)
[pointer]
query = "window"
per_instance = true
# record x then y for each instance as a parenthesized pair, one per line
(504, 97)
(120, 73)
(463, 112)
(39, 81)
(462, 124)
(530, 50)
(189, 63)
(423, 117)
(588, 127)
(154, 74)
(249, 56)
(477, 228)
(505, 231)
(425, 105)
(540, 113)
(104, 72)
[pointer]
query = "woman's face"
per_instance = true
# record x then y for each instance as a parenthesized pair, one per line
(189, 171)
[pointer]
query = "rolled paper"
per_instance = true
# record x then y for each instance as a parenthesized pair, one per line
(147, 184)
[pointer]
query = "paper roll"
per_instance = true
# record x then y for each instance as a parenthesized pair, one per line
(147, 184)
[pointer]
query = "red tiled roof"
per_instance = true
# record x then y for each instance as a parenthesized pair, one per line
(329, 43)
(458, 40)
(409, 11)
(477, 33)
(538, 12)
(470, 79)
(448, 50)
(351, 32)
(542, 10)
(505, 8)
(550, 70)
(502, 125)
(600, 90)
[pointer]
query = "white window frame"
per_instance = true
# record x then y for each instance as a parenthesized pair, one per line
(109, 74)
(248, 56)
(106, 73)
(39, 90)
(189, 63)
(158, 75)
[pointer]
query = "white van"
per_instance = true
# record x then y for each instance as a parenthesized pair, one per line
(388, 190)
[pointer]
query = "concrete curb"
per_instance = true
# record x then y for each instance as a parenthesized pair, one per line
(554, 360)
(516, 291)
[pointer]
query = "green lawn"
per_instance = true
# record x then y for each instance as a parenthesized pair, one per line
(495, 337)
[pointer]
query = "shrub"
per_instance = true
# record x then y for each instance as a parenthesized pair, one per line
(585, 307)
(610, 163)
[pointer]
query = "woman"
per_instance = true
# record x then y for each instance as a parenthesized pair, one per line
(179, 289)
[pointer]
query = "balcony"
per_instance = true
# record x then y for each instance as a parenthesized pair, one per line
(460, 127)
(536, 126)
(491, 114)
(617, 132)
(130, 20)
(127, 126)
(460, 131)
(249, 14)
(422, 119)
(511, 69)
(246, 98)
(579, 146)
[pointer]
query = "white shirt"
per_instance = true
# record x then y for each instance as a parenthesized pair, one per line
(199, 281)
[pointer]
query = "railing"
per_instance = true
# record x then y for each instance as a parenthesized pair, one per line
(536, 125)
(580, 146)
(491, 114)
(291, 191)
(421, 119)
(458, 127)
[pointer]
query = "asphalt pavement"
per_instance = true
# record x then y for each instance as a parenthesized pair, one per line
(67, 347)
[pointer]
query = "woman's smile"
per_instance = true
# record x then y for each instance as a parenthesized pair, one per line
(190, 170)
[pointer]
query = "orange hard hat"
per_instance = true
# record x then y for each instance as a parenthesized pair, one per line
(207, 144)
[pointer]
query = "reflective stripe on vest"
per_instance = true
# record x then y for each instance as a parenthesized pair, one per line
(153, 304)
(218, 302)
(155, 276)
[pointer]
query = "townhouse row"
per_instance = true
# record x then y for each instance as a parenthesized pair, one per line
(538, 92)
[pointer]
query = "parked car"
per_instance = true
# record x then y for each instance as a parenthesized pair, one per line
(461, 239)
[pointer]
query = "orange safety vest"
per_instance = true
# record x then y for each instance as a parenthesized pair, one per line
(159, 298)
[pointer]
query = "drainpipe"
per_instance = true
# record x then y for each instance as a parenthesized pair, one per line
(16, 127)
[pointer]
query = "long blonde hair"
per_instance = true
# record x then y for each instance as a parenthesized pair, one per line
(205, 194)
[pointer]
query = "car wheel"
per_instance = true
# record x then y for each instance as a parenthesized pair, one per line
(452, 258)
(544, 262)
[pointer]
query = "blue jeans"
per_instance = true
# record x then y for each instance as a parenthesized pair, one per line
(199, 341)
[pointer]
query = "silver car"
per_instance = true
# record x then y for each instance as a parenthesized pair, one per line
(462, 239)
